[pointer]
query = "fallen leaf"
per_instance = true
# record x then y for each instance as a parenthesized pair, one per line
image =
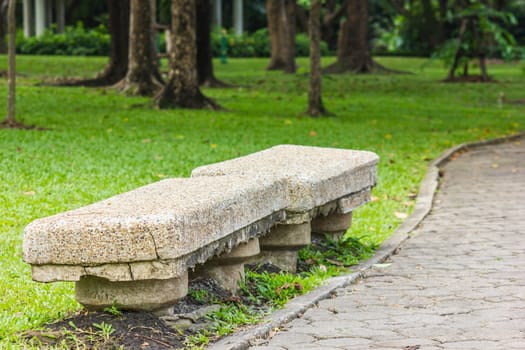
(388, 136)
(400, 215)
(374, 199)
(30, 193)
(146, 141)
(313, 133)
(382, 266)
(335, 262)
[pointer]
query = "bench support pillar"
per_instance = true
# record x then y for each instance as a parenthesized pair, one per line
(280, 246)
(333, 225)
(97, 293)
(228, 269)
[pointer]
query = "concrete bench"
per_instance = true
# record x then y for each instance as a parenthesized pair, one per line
(325, 184)
(134, 250)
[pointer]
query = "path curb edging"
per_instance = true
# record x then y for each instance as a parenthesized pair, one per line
(296, 307)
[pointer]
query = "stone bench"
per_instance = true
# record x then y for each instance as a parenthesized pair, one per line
(134, 250)
(325, 185)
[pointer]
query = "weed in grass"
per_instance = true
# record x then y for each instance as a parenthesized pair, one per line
(105, 329)
(343, 252)
(199, 295)
(113, 310)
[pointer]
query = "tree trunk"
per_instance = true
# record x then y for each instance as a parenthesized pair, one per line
(142, 77)
(353, 53)
(119, 16)
(315, 102)
(10, 120)
(281, 27)
(182, 89)
(3, 25)
(331, 14)
(117, 66)
(11, 72)
(480, 50)
(459, 50)
(432, 30)
(204, 51)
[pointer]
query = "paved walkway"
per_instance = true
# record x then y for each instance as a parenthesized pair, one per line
(459, 283)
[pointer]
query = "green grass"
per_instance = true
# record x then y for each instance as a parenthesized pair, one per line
(100, 144)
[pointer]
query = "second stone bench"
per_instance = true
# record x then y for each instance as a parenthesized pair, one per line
(134, 250)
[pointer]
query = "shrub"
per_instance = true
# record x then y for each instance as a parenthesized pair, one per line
(258, 44)
(75, 41)
(78, 41)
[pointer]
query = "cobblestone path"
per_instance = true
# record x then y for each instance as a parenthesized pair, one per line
(458, 283)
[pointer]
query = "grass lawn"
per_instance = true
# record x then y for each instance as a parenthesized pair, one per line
(99, 144)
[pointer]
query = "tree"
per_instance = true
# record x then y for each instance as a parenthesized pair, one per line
(353, 53)
(315, 102)
(117, 67)
(182, 89)
(204, 51)
(479, 25)
(281, 26)
(3, 21)
(10, 121)
(142, 76)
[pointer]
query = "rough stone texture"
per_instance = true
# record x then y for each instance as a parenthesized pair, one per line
(227, 276)
(334, 224)
(164, 221)
(286, 237)
(349, 203)
(286, 260)
(228, 268)
(148, 295)
(281, 244)
(459, 283)
(315, 175)
(241, 253)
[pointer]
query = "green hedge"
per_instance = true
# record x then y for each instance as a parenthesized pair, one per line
(258, 44)
(75, 41)
(78, 41)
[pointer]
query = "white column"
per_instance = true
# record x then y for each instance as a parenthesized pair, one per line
(60, 15)
(29, 28)
(40, 16)
(217, 14)
(237, 17)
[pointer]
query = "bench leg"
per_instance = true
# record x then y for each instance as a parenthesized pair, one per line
(97, 293)
(280, 246)
(228, 269)
(333, 225)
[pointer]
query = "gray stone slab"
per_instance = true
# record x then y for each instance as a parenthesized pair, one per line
(315, 175)
(164, 221)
